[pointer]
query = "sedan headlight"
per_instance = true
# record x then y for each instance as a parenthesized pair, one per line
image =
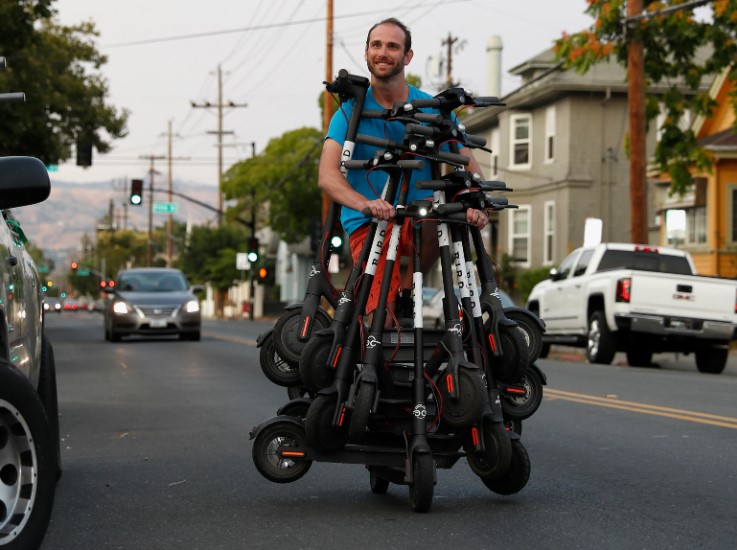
(121, 308)
(193, 306)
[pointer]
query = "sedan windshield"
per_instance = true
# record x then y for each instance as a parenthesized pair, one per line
(152, 282)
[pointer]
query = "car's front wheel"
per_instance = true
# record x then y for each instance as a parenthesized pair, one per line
(27, 463)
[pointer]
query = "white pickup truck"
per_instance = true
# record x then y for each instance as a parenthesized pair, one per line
(640, 300)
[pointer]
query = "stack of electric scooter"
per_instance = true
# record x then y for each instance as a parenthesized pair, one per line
(403, 401)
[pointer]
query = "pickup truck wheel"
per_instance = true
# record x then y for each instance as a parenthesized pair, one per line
(711, 360)
(600, 346)
(27, 463)
(640, 356)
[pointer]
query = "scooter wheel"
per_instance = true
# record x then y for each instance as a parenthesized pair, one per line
(321, 434)
(267, 451)
(519, 408)
(314, 370)
(495, 458)
(512, 365)
(275, 368)
(379, 485)
(361, 411)
(516, 476)
(287, 330)
(467, 408)
(531, 331)
(423, 482)
(295, 392)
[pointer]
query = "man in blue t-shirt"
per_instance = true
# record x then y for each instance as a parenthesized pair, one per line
(388, 52)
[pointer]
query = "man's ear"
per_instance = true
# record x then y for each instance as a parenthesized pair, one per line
(408, 57)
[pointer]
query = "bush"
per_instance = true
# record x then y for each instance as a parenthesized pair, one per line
(527, 279)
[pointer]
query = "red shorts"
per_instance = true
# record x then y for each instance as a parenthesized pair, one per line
(405, 246)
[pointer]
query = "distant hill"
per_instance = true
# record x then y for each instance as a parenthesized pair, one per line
(73, 209)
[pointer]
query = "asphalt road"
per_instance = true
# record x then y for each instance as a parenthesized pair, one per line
(156, 455)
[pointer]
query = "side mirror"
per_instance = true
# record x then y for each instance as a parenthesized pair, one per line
(23, 181)
(196, 288)
(554, 274)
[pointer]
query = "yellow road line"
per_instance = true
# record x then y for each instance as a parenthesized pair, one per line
(679, 414)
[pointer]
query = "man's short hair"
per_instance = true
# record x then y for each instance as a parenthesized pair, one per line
(398, 23)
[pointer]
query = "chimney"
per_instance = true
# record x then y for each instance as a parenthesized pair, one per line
(494, 67)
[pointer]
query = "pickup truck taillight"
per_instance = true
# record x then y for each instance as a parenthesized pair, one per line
(624, 288)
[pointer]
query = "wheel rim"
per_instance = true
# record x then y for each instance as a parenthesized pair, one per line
(594, 337)
(18, 472)
(277, 462)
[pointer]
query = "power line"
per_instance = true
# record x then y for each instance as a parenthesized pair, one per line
(255, 27)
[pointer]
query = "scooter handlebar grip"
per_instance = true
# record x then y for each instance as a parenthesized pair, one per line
(474, 141)
(419, 129)
(411, 164)
(431, 102)
(435, 185)
(450, 208)
(453, 158)
(371, 140)
(355, 164)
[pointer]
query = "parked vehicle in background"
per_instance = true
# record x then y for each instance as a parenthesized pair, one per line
(30, 459)
(70, 304)
(153, 301)
(640, 300)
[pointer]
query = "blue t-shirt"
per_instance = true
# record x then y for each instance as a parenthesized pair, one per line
(352, 219)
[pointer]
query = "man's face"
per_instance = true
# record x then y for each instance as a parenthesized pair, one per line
(384, 54)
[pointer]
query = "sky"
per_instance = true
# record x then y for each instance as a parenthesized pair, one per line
(164, 54)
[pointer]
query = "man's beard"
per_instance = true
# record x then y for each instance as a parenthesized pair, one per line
(396, 69)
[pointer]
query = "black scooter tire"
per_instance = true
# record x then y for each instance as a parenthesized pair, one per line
(287, 330)
(361, 411)
(314, 370)
(264, 453)
(275, 368)
(423, 482)
(472, 395)
(520, 408)
(516, 476)
(531, 332)
(321, 434)
(512, 365)
(494, 461)
(379, 485)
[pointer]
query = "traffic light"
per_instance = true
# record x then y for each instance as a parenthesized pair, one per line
(263, 273)
(75, 265)
(253, 250)
(136, 197)
(84, 152)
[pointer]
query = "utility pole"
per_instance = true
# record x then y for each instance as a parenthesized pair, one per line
(219, 105)
(449, 42)
(636, 93)
(328, 108)
(151, 172)
(251, 285)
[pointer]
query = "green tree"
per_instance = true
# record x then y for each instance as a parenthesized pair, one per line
(121, 248)
(671, 41)
(280, 184)
(58, 69)
(209, 257)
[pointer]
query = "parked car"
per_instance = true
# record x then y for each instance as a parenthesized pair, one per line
(30, 462)
(52, 305)
(152, 301)
(432, 306)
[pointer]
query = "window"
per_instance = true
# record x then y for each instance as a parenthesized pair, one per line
(549, 233)
(567, 264)
(520, 141)
(494, 146)
(583, 262)
(696, 225)
(519, 235)
(550, 134)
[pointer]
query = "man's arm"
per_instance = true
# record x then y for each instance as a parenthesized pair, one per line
(334, 185)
